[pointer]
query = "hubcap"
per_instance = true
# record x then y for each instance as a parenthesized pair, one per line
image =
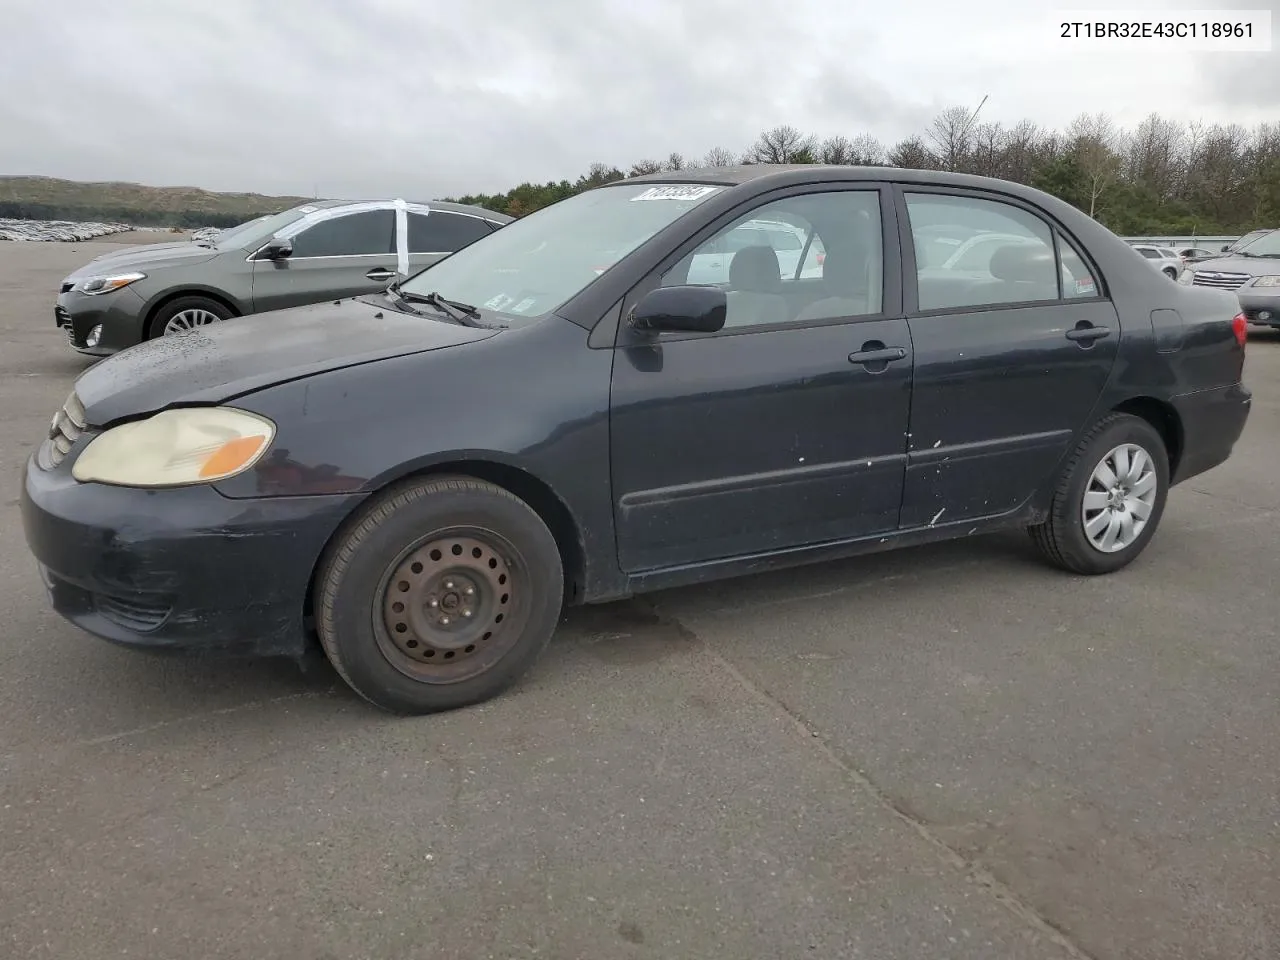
(1119, 498)
(188, 320)
(451, 607)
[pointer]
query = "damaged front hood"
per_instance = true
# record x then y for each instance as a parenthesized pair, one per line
(215, 363)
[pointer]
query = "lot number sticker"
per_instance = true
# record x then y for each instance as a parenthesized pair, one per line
(674, 193)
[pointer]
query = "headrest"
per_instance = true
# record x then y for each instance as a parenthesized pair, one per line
(755, 269)
(844, 268)
(1023, 263)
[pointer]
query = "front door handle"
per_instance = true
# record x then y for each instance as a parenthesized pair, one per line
(1085, 333)
(876, 352)
(380, 273)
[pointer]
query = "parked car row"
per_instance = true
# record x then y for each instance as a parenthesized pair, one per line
(628, 390)
(1251, 271)
(312, 252)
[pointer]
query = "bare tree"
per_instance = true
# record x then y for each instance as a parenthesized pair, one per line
(784, 144)
(866, 151)
(718, 157)
(836, 150)
(1156, 156)
(951, 137)
(1095, 143)
(912, 154)
(643, 167)
(675, 161)
(987, 151)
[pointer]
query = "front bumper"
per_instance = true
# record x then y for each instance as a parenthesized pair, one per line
(1212, 421)
(182, 568)
(119, 314)
(1260, 307)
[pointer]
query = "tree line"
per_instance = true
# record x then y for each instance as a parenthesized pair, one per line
(117, 213)
(1163, 177)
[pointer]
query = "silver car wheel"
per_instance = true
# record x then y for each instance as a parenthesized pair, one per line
(1119, 498)
(185, 320)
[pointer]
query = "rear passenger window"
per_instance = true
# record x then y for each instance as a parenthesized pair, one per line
(998, 253)
(440, 232)
(1077, 279)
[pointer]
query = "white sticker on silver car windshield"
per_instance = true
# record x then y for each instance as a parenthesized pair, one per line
(498, 302)
(523, 305)
(674, 193)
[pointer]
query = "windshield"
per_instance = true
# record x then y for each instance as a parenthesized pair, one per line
(254, 233)
(1267, 245)
(533, 265)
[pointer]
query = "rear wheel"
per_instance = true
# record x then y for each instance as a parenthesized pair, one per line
(186, 313)
(441, 594)
(1109, 499)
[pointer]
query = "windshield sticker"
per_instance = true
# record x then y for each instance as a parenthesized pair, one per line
(1085, 287)
(500, 301)
(523, 305)
(674, 193)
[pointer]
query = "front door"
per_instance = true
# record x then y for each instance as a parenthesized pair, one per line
(343, 256)
(786, 428)
(1014, 342)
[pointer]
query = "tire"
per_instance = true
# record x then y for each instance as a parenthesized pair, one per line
(1171, 274)
(482, 585)
(1063, 539)
(195, 306)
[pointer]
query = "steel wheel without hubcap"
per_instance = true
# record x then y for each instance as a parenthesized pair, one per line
(451, 607)
(189, 319)
(1119, 498)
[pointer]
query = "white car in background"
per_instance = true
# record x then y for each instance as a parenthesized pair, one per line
(1163, 259)
(787, 241)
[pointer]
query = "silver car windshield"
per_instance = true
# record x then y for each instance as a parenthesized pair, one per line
(535, 264)
(254, 233)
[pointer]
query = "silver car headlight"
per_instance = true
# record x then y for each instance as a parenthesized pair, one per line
(176, 448)
(1273, 281)
(107, 283)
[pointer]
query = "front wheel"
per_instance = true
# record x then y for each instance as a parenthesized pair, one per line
(186, 313)
(1109, 499)
(441, 594)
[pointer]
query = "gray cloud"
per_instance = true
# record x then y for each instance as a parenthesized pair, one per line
(428, 99)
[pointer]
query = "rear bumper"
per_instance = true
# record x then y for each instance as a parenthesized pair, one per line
(178, 569)
(1212, 421)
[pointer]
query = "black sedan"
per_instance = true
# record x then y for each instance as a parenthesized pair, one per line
(423, 477)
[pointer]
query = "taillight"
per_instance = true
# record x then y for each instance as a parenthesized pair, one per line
(1240, 327)
(822, 258)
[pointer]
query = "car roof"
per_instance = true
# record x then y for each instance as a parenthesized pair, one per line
(442, 205)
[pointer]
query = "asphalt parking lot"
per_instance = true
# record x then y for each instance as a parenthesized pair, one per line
(945, 752)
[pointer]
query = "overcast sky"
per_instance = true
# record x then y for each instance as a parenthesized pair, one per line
(428, 98)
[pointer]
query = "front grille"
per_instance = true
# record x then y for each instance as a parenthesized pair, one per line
(60, 314)
(68, 424)
(132, 613)
(71, 336)
(1221, 281)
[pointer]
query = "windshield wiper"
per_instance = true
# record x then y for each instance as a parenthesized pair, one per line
(461, 312)
(400, 301)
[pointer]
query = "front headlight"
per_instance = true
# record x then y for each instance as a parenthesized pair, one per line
(105, 284)
(1267, 281)
(1186, 276)
(176, 448)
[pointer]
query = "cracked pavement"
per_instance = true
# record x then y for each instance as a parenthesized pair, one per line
(947, 751)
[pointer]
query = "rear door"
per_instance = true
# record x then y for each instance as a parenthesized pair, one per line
(1009, 362)
(435, 235)
(341, 256)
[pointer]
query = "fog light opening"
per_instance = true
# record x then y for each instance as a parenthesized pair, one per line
(1264, 314)
(94, 336)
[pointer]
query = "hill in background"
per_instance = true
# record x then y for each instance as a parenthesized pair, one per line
(48, 198)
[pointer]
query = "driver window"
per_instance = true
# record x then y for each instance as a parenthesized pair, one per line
(368, 233)
(756, 259)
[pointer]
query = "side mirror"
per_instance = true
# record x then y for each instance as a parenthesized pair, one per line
(688, 308)
(277, 248)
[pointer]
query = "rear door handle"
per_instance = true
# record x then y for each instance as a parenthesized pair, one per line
(877, 353)
(1087, 333)
(380, 273)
